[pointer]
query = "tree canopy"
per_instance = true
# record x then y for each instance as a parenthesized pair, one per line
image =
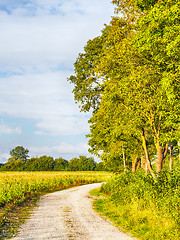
(19, 153)
(130, 77)
(48, 163)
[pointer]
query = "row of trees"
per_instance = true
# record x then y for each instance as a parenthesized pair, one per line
(130, 78)
(19, 161)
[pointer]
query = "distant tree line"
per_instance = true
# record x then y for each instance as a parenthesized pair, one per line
(19, 161)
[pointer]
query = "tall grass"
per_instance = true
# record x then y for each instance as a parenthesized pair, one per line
(148, 209)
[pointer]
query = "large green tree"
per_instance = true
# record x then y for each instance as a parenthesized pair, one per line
(158, 43)
(60, 164)
(93, 68)
(19, 153)
(137, 69)
(87, 84)
(82, 163)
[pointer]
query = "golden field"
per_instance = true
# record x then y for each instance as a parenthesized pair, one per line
(16, 186)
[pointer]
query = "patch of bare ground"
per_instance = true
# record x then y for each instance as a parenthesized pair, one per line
(67, 215)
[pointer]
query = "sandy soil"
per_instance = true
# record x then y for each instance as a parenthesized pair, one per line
(66, 215)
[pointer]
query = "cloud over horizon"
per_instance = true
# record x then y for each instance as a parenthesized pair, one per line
(6, 130)
(40, 41)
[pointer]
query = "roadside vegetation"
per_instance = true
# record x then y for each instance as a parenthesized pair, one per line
(18, 191)
(138, 205)
(129, 78)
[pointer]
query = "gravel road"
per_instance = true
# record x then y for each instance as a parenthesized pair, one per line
(66, 215)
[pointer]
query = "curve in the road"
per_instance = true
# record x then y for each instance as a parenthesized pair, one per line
(67, 215)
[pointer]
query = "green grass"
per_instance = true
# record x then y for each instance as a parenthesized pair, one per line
(12, 216)
(134, 210)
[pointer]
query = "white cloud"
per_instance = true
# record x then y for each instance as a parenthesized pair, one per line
(46, 98)
(36, 53)
(40, 40)
(62, 148)
(64, 125)
(6, 130)
(46, 40)
(4, 157)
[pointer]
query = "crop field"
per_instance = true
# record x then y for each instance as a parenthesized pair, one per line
(18, 191)
(16, 186)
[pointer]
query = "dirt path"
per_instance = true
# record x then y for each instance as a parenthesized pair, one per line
(68, 215)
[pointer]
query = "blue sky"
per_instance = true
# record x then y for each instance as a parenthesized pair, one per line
(40, 41)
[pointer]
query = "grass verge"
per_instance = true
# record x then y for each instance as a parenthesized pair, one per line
(145, 224)
(106, 209)
(13, 215)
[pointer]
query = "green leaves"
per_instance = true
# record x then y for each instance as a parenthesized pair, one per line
(87, 84)
(20, 153)
(130, 77)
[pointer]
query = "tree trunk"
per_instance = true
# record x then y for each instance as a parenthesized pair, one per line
(161, 154)
(134, 162)
(146, 168)
(148, 163)
(143, 162)
(160, 158)
(138, 164)
(124, 159)
(171, 160)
